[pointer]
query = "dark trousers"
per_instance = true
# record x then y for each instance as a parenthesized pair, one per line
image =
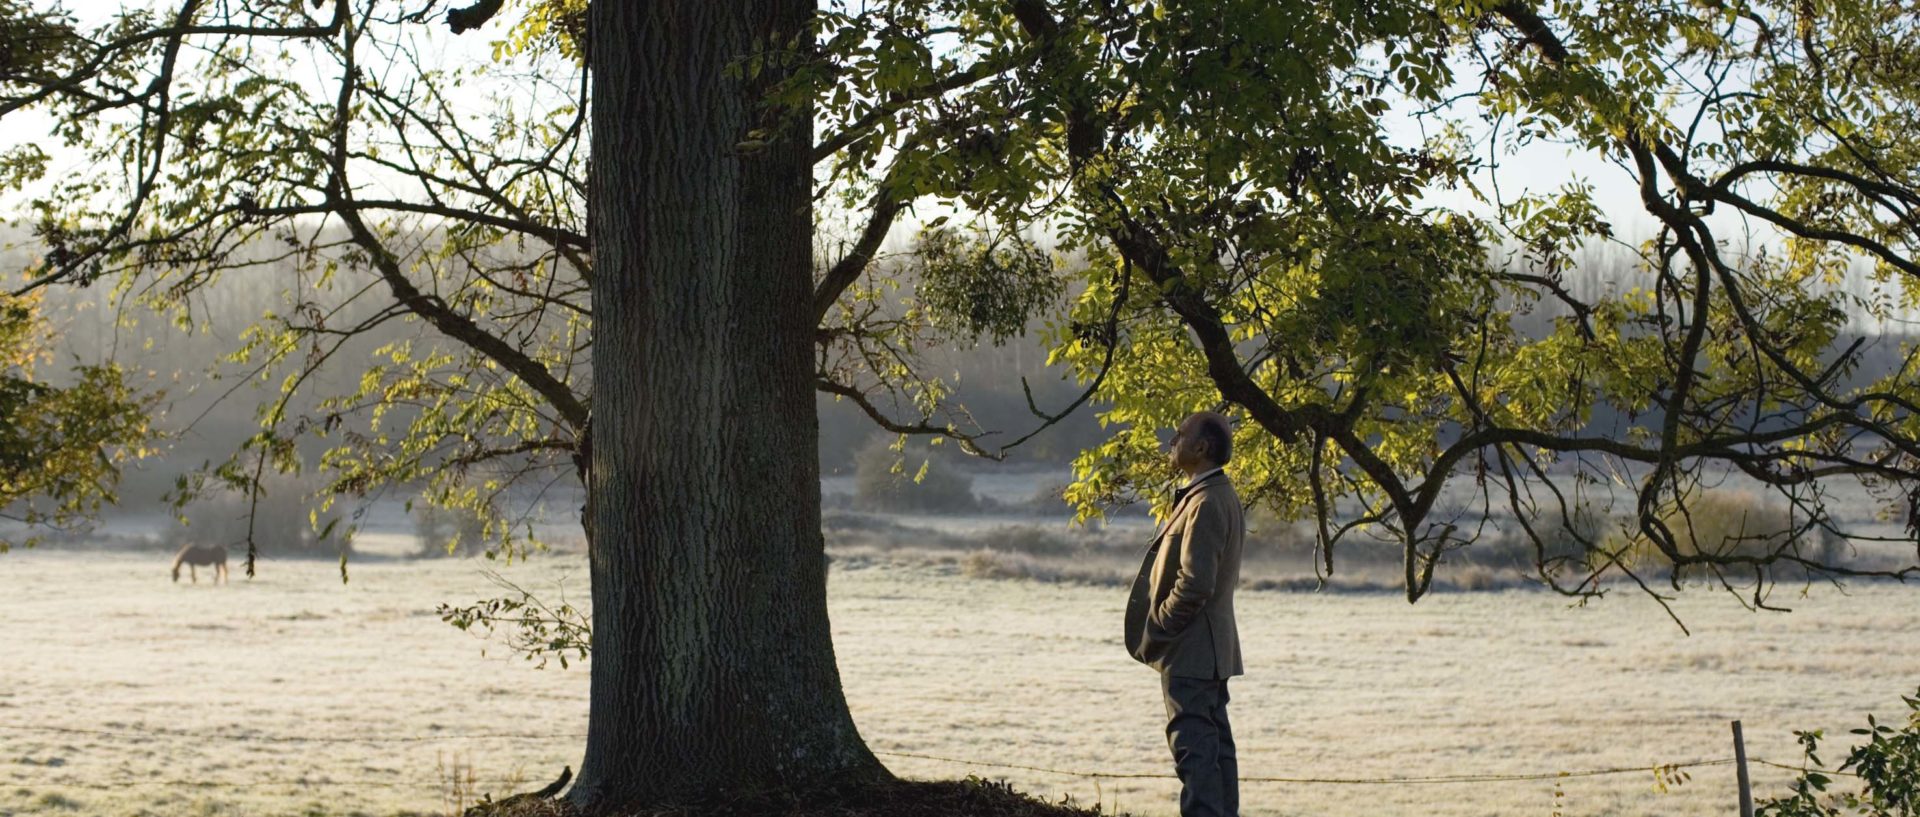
(1202, 744)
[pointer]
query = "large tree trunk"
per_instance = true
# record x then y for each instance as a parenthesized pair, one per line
(713, 667)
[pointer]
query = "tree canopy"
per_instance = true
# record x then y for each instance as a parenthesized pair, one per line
(62, 442)
(1231, 190)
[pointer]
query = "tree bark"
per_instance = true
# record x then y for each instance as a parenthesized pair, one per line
(713, 670)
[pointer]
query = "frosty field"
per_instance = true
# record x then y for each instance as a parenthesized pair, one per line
(122, 693)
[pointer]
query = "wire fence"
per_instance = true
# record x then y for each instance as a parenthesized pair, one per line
(250, 737)
(331, 782)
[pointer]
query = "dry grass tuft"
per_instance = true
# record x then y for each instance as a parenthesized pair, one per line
(57, 802)
(988, 563)
(1479, 578)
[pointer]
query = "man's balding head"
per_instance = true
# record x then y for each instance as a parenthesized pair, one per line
(1204, 440)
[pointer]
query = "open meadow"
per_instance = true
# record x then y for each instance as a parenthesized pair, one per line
(124, 694)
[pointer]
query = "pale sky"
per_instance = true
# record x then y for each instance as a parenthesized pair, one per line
(1537, 168)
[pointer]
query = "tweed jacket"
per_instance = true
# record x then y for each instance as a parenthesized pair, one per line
(1180, 612)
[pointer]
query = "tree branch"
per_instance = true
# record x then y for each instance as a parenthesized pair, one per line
(462, 20)
(968, 442)
(900, 101)
(886, 207)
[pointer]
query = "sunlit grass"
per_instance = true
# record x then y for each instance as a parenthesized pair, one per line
(187, 692)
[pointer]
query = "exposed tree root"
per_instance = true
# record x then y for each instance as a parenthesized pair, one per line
(898, 798)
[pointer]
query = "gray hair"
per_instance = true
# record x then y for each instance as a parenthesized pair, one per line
(1212, 428)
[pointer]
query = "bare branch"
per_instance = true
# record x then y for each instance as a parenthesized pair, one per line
(462, 20)
(968, 442)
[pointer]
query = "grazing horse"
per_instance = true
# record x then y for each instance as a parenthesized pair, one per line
(200, 556)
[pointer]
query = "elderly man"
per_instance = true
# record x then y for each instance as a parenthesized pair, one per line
(1180, 616)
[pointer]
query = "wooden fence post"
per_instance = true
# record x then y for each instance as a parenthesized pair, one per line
(1740, 769)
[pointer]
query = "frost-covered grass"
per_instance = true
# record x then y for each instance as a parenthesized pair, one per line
(176, 699)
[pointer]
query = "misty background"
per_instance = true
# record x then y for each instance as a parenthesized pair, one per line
(882, 499)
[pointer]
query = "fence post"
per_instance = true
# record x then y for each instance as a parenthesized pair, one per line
(1740, 769)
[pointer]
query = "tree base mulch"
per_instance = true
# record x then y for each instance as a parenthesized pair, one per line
(972, 797)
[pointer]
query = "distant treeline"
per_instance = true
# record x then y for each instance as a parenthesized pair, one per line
(214, 405)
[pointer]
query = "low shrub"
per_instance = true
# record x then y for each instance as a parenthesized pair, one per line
(447, 531)
(891, 481)
(1563, 541)
(284, 520)
(1736, 523)
(1887, 767)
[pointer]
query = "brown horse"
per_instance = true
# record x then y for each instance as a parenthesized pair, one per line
(201, 556)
